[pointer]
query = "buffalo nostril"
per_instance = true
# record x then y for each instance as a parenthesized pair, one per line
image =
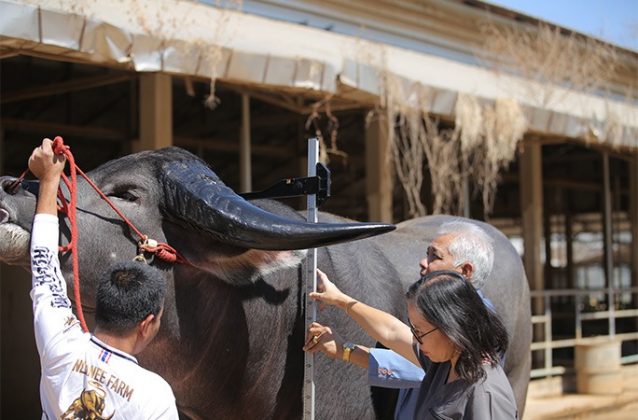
(4, 216)
(12, 187)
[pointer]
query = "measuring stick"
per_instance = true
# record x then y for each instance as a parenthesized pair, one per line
(310, 282)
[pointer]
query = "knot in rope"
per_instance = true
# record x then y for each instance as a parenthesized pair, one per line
(163, 251)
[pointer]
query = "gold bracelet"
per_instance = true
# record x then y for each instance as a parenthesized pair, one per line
(348, 348)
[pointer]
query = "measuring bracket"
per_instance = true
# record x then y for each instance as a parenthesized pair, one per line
(295, 187)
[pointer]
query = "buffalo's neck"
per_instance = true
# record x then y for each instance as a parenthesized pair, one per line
(237, 343)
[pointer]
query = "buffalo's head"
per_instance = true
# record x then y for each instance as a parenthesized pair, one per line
(172, 196)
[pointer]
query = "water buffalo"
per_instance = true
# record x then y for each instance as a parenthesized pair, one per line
(233, 329)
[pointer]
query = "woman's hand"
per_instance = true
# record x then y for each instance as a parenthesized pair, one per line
(329, 294)
(322, 339)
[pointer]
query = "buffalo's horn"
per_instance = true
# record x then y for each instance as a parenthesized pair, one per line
(196, 195)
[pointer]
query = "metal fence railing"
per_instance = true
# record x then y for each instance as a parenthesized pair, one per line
(623, 305)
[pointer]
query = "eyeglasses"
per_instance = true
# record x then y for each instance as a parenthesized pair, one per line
(419, 338)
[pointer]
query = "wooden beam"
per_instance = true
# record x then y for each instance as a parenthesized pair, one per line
(616, 151)
(378, 170)
(232, 146)
(8, 53)
(269, 99)
(285, 101)
(50, 128)
(583, 158)
(156, 112)
(573, 185)
(564, 183)
(72, 85)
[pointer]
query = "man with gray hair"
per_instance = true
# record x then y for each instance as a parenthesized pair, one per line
(459, 246)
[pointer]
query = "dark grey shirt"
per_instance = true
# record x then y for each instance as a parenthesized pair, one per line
(490, 398)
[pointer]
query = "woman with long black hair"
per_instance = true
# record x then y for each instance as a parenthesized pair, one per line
(450, 334)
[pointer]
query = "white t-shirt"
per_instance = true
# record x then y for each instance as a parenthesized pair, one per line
(81, 376)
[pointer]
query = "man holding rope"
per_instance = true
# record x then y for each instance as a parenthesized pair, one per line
(92, 375)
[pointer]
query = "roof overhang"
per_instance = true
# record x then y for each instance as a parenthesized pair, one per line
(193, 39)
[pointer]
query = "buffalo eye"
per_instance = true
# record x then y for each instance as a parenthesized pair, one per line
(124, 195)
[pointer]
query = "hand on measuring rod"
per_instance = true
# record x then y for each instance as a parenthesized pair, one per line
(329, 294)
(320, 338)
(45, 164)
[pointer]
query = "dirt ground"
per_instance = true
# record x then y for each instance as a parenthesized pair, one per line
(591, 407)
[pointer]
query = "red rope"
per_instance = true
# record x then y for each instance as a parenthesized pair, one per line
(162, 250)
(70, 209)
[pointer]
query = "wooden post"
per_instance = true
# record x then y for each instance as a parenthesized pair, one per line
(1, 174)
(531, 185)
(608, 246)
(156, 112)
(547, 233)
(1, 152)
(245, 175)
(301, 156)
(569, 239)
(378, 169)
(633, 216)
(531, 195)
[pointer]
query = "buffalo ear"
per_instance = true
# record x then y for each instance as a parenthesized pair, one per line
(232, 264)
(247, 267)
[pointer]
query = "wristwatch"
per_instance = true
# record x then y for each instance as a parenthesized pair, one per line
(347, 351)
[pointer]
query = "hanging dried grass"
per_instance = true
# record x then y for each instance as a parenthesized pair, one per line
(214, 55)
(469, 116)
(548, 57)
(469, 129)
(613, 128)
(482, 143)
(503, 127)
(442, 148)
(408, 154)
(417, 143)
(332, 128)
(406, 136)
